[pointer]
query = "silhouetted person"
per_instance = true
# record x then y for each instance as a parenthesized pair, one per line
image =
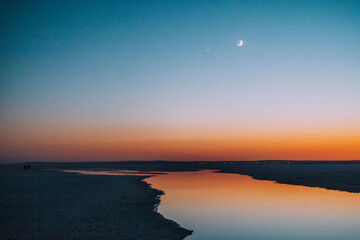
(25, 167)
(29, 167)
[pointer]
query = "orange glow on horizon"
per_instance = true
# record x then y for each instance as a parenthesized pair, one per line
(160, 144)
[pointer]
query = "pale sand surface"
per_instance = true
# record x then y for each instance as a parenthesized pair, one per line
(40, 204)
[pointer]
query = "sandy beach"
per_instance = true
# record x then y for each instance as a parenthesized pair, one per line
(40, 204)
(342, 177)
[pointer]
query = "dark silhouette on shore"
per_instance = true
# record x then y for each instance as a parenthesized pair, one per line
(27, 167)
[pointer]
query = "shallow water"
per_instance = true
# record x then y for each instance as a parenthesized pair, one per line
(112, 172)
(233, 206)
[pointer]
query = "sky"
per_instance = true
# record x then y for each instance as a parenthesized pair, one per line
(166, 80)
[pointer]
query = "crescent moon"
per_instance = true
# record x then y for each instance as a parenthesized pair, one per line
(240, 43)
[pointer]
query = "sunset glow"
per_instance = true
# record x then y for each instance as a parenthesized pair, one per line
(143, 81)
(156, 144)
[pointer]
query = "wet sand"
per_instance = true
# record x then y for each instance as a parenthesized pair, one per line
(342, 177)
(40, 204)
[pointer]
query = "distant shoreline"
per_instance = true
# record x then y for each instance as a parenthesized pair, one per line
(4, 162)
(341, 177)
(335, 175)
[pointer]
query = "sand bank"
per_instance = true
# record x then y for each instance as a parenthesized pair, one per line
(342, 177)
(40, 204)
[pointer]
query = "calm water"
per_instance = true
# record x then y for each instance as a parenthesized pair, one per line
(112, 172)
(232, 206)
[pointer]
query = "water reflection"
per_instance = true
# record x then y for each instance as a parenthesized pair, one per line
(113, 172)
(232, 206)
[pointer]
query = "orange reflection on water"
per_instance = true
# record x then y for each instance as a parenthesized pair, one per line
(110, 172)
(232, 206)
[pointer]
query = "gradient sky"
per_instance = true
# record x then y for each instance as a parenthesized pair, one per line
(126, 80)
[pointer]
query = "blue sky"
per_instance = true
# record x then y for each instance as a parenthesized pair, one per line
(146, 63)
